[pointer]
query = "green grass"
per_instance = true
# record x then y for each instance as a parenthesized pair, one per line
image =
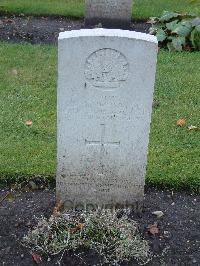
(174, 156)
(75, 8)
(31, 94)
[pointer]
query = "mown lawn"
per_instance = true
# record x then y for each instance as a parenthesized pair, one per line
(75, 8)
(28, 95)
(28, 92)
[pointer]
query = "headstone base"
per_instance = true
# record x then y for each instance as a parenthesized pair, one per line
(136, 207)
(107, 23)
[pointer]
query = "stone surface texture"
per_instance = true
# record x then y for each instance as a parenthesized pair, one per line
(105, 93)
(109, 13)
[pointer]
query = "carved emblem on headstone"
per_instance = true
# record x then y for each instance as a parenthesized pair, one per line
(106, 68)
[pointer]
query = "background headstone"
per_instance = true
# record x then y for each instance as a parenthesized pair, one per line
(105, 94)
(108, 13)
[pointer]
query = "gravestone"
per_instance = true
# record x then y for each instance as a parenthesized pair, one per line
(105, 93)
(108, 13)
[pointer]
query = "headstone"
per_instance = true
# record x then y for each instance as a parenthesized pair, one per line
(105, 93)
(108, 13)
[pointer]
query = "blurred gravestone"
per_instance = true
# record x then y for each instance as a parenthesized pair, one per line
(108, 13)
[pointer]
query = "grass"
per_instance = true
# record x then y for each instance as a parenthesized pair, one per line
(28, 95)
(174, 151)
(28, 91)
(75, 8)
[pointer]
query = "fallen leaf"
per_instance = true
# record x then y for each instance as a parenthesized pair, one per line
(57, 208)
(159, 214)
(180, 122)
(56, 212)
(153, 229)
(37, 258)
(59, 205)
(193, 128)
(29, 123)
(78, 227)
(9, 20)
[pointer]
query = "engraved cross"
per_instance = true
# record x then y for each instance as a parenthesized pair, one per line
(102, 143)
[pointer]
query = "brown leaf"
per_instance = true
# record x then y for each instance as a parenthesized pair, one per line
(153, 229)
(56, 212)
(37, 258)
(9, 20)
(29, 123)
(180, 122)
(57, 209)
(59, 205)
(78, 227)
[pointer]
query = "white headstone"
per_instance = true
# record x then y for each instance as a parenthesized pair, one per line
(105, 94)
(109, 13)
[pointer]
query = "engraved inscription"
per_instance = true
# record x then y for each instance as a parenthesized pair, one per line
(109, 13)
(102, 142)
(106, 68)
(107, 9)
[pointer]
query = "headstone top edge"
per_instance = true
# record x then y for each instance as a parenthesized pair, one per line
(101, 32)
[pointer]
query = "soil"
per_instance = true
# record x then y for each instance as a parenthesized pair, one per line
(177, 243)
(45, 30)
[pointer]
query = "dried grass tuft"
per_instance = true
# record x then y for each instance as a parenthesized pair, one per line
(115, 239)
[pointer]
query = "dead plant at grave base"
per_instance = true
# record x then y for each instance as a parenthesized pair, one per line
(114, 239)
